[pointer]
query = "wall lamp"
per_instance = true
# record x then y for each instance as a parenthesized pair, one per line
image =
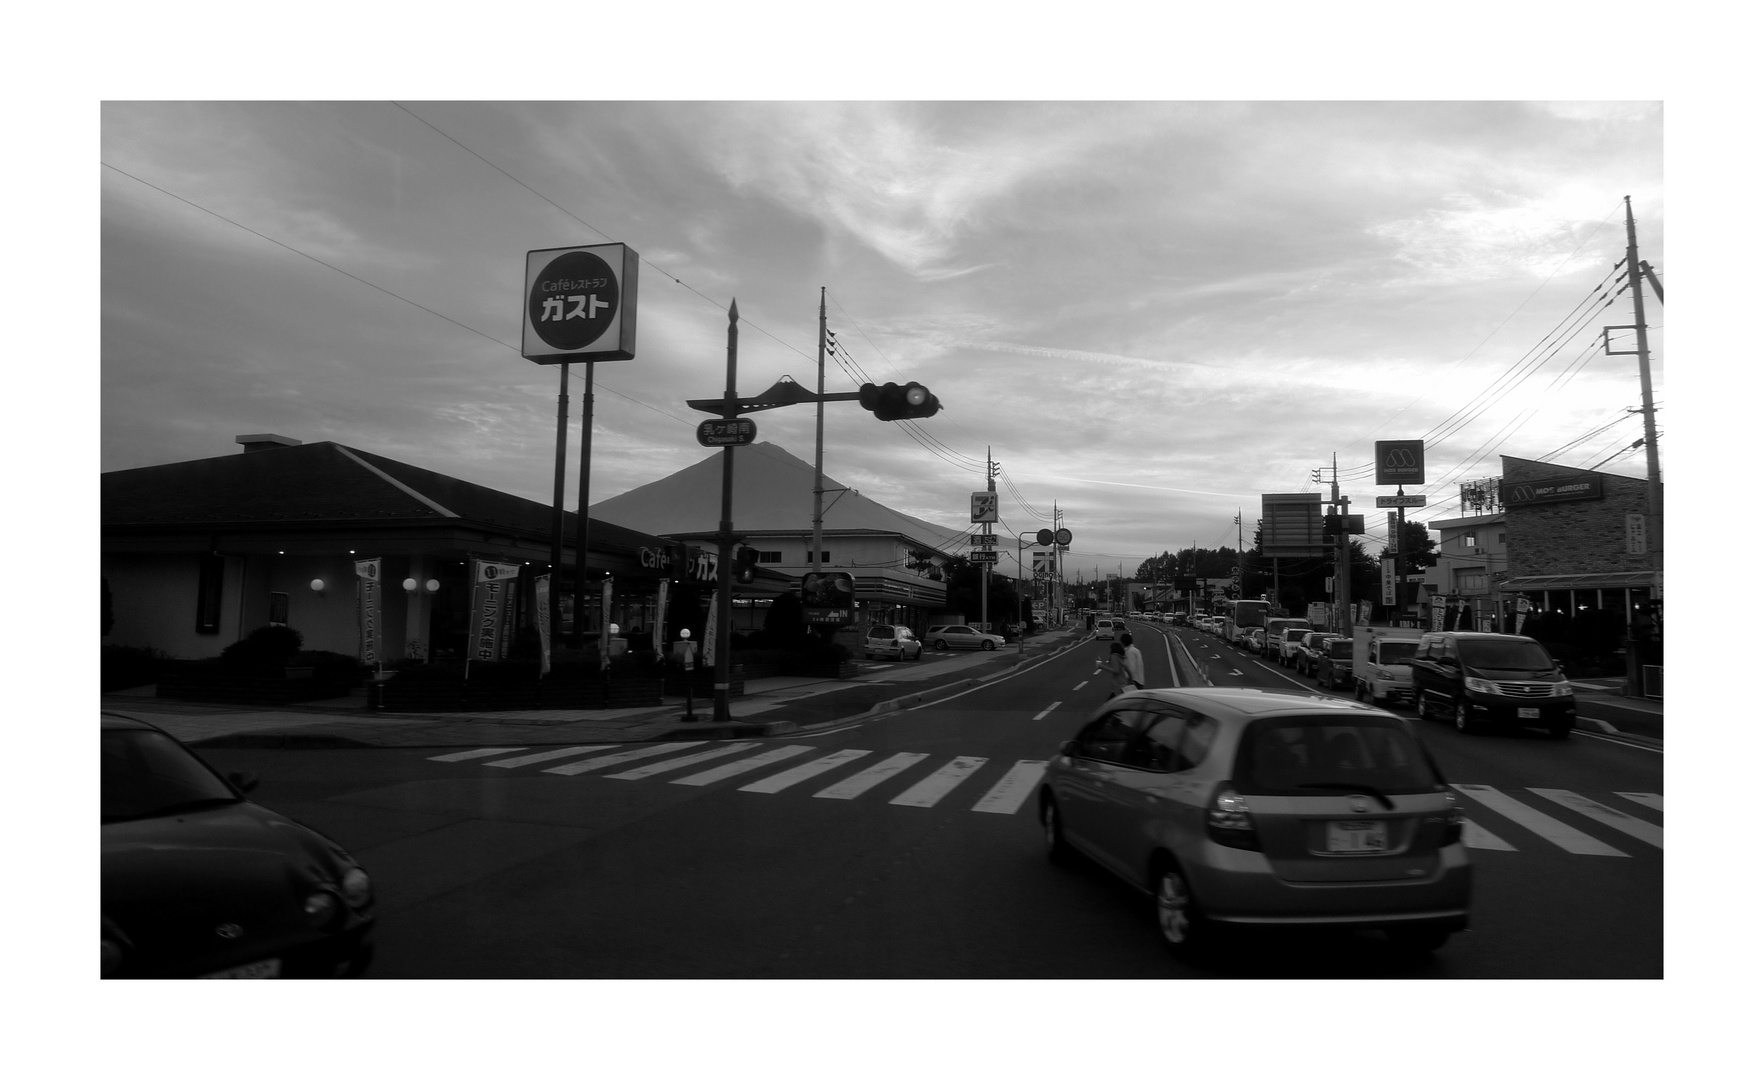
(430, 585)
(318, 585)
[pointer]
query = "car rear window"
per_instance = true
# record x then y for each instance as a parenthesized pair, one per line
(1306, 755)
(1397, 652)
(1341, 649)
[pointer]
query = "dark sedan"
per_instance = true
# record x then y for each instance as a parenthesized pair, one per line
(198, 881)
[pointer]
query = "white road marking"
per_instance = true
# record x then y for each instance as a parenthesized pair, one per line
(1642, 830)
(854, 786)
(1081, 685)
(1563, 836)
(646, 771)
(576, 767)
(1646, 798)
(736, 768)
(928, 791)
(1009, 793)
(467, 755)
(771, 785)
(549, 755)
(1475, 836)
(1047, 710)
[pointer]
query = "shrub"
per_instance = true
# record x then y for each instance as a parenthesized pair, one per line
(265, 648)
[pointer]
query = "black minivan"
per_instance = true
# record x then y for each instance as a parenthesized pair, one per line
(1491, 679)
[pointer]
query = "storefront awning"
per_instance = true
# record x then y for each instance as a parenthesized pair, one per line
(1639, 579)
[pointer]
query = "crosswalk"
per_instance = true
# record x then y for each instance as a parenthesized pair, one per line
(1496, 820)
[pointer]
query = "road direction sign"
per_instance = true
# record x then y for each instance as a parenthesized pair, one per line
(737, 432)
(983, 556)
(1401, 500)
(984, 539)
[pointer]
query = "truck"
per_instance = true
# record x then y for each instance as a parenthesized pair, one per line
(1381, 663)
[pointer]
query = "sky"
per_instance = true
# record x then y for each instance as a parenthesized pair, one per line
(1149, 312)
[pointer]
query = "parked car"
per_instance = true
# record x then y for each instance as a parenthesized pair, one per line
(1276, 628)
(1107, 628)
(1254, 638)
(1242, 640)
(1334, 662)
(1504, 679)
(883, 641)
(197, 880)
(1304, 657)
(1266, 808)
(963, 637)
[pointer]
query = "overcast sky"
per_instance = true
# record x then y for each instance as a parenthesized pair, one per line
(1150, 313)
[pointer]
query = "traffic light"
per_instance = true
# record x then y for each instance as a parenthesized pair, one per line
(745, 561)
(892, 401)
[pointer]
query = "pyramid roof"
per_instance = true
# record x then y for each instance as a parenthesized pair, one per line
(773, 492)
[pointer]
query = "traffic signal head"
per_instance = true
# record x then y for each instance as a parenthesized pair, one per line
(744, 565)
(892, 401)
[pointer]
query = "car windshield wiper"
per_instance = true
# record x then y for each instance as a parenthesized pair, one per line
(1362, 789)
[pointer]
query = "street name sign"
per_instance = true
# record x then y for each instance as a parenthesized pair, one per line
(983, 556)
(737, 432)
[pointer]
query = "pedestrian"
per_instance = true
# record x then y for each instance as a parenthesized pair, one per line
(1133, 662)
(1115, 663)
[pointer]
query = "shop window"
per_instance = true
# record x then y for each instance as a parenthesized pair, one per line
(210, 577)
(771, 556)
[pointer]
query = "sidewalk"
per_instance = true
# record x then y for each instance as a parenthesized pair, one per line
(773, 706)
(1604, 706)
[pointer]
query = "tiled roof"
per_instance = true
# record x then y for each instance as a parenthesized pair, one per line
(323, 483)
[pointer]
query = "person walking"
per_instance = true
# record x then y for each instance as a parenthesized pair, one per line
(1132, 662)
(1115, 663)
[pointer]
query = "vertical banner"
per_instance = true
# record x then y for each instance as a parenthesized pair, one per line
(658, 634)
(493, 586)
(542, 620)
(1387, 577)
(709, 649)
(367, 610)
(606, 598)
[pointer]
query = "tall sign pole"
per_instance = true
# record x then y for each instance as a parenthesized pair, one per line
(726, 538)
(579, 305)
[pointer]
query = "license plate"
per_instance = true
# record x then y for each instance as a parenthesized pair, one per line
(262, 969)
(1528, 714)
(1352, 836)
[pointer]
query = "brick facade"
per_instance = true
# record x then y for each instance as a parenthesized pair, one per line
(1587, 536)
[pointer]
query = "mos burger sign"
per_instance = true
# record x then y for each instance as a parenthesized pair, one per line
(580, 305)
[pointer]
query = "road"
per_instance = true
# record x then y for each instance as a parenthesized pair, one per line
(906, 847)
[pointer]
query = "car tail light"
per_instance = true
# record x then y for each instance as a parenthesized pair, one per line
(1454, 822)
(356, 889)
(1229, 821)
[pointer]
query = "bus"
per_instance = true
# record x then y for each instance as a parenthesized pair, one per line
(1244, 613)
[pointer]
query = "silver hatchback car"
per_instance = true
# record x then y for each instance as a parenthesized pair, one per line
(1263, 807)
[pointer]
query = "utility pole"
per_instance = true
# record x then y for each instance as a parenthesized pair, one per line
(820, 420)
(1343, 602)
(985, 568)
(1656, 534)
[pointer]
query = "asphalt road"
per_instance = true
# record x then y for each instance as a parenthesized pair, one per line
(914, 851)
